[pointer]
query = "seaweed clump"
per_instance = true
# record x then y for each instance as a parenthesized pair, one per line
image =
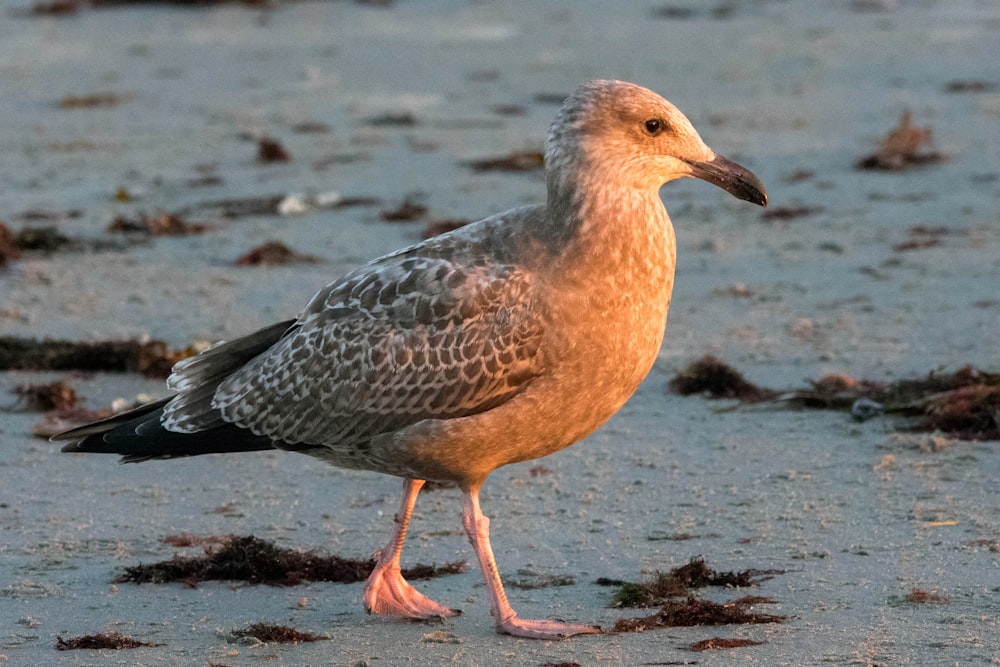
(713, 378)
(902, 148)
(270, 633)
(151, 358)
(679, 581)
(692, 612)
(964, 404)
(102, 640)
(257, 561)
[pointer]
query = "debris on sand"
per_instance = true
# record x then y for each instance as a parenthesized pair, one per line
(391, 119)
(274, 252)
(55, 8)
(45, 215)
(692, 611)
(920, 596)
(917, 596)
(716, 643)
(963, 405)
(268, 633)
(277, 204)
(902, 148)
(517, 161)
(69, 7)
(790, 212)
(158, 224)
(258, 561)
(102, 640)
(42, 239)
(437, 227)
(410, 209)
(95, 100)
(9, 250)
(713, 378)
(922, 236)
(529, 580)
(270, 150)
(151, 358)
(969, 86)
(679, 581)
(58, 395)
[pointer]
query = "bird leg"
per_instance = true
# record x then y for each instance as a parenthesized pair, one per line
(477, 526)
(386, 591)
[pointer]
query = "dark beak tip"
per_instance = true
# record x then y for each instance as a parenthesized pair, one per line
(734, 178)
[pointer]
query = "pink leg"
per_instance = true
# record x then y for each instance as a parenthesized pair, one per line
(386, 591)
(477, 526)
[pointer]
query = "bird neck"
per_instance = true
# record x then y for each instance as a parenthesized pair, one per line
(612, 230)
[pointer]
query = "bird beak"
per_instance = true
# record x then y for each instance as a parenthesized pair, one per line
(731, 177)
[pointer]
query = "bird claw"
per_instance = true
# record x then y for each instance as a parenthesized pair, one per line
(544, 629)
(387, 593)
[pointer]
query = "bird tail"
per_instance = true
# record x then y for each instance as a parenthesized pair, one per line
(139, 434)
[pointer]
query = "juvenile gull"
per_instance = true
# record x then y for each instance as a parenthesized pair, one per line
(503, 341)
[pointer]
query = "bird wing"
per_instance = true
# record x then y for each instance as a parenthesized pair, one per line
(406, 338)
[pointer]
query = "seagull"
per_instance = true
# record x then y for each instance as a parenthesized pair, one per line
(505, 340)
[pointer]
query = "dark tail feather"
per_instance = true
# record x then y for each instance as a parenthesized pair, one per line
(138, 436)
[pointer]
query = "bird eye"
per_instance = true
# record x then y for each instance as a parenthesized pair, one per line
(654, 126)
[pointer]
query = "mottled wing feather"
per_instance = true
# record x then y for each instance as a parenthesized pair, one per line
(406, 339)
(195, 379)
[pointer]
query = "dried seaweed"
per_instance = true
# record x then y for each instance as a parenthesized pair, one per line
(271, 150)
(69, 7)
(436, 227)
(43, 215)
(679, 581)
(529, 581)
(692, 611)
(392, 119)
(274, 252)
(55, 8)
(922, 237)
(920, 596)
(43, 239)
(276, 634)
(963, 405)
(102, 640)
(95, 100)
(515, 161)
(969, 86)
(151, 358)
(245, 207)
(790, 212)
(9, 249)
(716, 643)
(158, 224)
(711, 377)
(258, 561)
(902, 148)
(410, 209)
(58, 395)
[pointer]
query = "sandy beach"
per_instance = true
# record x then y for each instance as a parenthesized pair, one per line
(123, 113)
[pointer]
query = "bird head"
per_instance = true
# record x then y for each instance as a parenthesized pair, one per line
(624, 133)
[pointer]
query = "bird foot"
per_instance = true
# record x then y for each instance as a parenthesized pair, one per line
(544, 629)
(387, 593)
